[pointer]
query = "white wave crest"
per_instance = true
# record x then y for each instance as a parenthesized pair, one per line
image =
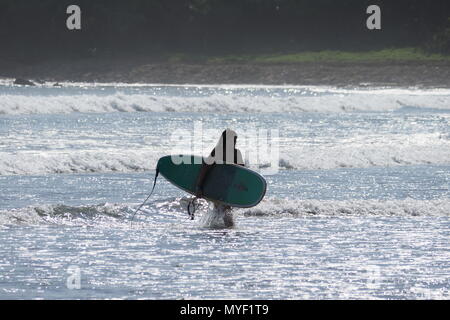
(64, 215)
(118, 215)
(406, 207)
(317, 101)
(361, 152)
(29, 163)
(371, 151)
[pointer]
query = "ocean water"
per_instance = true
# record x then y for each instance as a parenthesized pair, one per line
(358, 206)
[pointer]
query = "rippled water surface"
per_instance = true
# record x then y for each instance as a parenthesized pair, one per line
(360, 206)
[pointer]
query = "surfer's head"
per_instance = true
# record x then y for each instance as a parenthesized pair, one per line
(229, 135)
(225, 150)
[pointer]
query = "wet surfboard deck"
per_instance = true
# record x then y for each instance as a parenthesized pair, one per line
(228, 184)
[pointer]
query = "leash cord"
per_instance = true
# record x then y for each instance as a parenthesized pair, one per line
(143, 203)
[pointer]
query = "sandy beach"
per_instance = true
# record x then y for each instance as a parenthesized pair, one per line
(140, 70)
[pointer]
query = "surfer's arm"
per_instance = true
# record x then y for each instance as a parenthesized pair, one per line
(206, 166)
(201, 178)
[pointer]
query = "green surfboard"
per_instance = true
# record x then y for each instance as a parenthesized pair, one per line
(228, 184)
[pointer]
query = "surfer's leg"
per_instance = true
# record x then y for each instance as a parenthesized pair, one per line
(227, 216)
(218, 216)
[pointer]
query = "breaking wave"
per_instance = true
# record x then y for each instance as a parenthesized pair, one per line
(119, 215)
(416, 149)
(64, 215)
(74, 161)
(365, 152)
(310, 99)
(407, 207)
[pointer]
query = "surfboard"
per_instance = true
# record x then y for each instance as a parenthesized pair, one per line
(228, 184)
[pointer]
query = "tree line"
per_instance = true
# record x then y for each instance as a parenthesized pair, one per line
(36, 29)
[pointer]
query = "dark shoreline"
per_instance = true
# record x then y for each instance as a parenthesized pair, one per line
(388, 73)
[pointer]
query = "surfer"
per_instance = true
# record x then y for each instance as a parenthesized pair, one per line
(225, 152)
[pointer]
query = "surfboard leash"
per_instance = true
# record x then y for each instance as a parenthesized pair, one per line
(192, 202)
(153, 189)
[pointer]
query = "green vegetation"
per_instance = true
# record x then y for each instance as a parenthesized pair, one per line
(401, 54)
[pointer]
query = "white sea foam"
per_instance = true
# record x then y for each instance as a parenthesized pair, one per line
(9, 82)
(360, 152)
(363, 151)
(64, 215)
(121, 147)
(119, 214)
(406, 207)
(73, 161)
(313, 99)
